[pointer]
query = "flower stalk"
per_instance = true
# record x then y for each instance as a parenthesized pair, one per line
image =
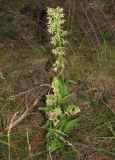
(57, 109)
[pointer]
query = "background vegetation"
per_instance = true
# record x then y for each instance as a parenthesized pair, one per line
(26, 71)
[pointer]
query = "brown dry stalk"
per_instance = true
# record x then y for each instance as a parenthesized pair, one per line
(23, 93)
(27, 91)
(21, 118)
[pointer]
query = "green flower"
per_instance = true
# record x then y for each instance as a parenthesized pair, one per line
(54, 115)
(72, 110)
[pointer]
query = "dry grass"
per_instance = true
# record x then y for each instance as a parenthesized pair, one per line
(91, 66)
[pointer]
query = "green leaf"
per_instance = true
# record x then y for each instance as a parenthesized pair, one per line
(47, 124)
(58, 133)
(63, 124)
(70, 125)
(67, 126)
(66, 97)
(63, 60)
(49, 134)
(42, 108)
(46, 109)
(63, 89)
(54, 145)
(71, 81)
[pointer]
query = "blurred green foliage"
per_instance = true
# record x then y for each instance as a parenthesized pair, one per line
(1, 5)
(7, 29)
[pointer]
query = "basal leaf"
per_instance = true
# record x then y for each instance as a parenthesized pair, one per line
(67, 126)
(53, 145)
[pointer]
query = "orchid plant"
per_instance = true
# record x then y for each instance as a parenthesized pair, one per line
(59, 112)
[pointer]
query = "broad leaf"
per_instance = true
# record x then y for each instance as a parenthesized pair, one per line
(63, 89)
(67, 126)
(63, 124)
(53, 145)
(70, 125)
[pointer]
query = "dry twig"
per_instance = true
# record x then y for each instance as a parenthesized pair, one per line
(23, 116)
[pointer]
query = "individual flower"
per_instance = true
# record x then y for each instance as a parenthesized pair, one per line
(51, 100)
(55, 86)
(72, 110)
(54, 115)
(53, 41)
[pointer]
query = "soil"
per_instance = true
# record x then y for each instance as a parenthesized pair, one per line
(30, 82)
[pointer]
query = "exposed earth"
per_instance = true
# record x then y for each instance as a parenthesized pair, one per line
(26, 74)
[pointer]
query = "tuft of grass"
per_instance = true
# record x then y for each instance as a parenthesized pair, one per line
(7, 29)
(1, 5)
